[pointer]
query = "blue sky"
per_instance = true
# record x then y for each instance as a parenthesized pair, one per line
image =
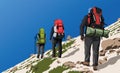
(20, 20)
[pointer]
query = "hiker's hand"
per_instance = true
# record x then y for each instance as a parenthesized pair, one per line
(82, 38)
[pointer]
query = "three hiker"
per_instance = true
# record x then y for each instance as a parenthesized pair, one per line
(91, 30)
(94, 20)
(41, 39)
(56, 36)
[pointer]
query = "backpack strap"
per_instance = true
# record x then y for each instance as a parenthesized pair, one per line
(94, 19)
(89, 19)
(97, 16)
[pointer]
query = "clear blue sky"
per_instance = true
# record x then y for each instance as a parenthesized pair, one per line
(20, 20)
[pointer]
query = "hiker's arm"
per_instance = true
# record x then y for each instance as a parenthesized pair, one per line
(64, 36)
(51, 33)
(82, 26)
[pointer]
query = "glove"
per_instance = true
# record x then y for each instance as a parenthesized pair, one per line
(82, 37)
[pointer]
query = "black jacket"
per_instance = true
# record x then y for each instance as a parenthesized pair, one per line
(52, 31)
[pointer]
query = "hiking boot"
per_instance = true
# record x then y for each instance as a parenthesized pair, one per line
(53, 56)
(37, 56)
(95, 68)
(59, 56)
(85, 63)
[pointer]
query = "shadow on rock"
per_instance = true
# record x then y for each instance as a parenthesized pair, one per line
(72, 53)
(111, 61)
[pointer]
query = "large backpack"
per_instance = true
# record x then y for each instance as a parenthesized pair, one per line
(95, 23)
(41, 35)
(58, 29)
(95, 18)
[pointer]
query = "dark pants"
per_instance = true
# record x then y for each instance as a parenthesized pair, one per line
(54, 43)
(40, 50)
(95, 41)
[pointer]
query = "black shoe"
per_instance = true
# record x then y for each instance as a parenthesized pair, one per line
(53, 56)
(37, 56)
(95, 68)
(41, 56)
(59, 56)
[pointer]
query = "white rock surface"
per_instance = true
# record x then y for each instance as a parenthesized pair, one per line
(76, 53)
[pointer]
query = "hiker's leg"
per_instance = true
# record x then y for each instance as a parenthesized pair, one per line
(60, 48)
(38, 50)
(42, 50)
(96, 44)
(53, 47)
(87, 45)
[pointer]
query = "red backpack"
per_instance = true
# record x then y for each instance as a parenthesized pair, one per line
(95, 17)
(59, 28)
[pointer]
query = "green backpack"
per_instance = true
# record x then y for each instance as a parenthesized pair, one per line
(41, 35)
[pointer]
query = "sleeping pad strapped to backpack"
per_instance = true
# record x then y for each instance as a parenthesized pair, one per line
(95, 23)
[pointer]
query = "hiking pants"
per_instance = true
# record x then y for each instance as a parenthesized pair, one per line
(40, 49)
(54, 43)
(95, 41)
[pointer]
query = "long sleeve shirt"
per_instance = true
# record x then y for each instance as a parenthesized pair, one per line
(51, 33)
(83, 25)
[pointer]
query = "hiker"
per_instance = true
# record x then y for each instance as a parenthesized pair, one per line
(56, 36)
(95, 20)
(41, 39)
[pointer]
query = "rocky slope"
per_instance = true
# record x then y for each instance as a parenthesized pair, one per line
(73, 54)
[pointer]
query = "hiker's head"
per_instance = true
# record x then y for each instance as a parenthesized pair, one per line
(58, 21)
(41, 30)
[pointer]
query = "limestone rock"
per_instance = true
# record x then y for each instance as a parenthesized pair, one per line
(14, 69)
(69, 64)
(102, 52)
(58, 61)
(87, 70)
(111, 51)
(69, 37)
(78, 62)
(110, 44)
(102, 61)
(118, 52)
